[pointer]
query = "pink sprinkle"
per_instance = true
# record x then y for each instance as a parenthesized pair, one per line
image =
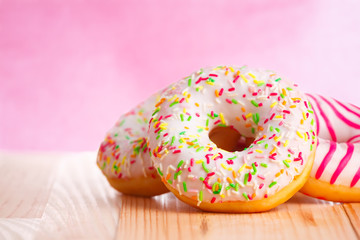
(228, 100)
(273, 94)
(251, 152)
(261, 177)
(157, 130)
(244, 96)
(221, 91)
(250, 177)
(278, 143)
(255, 93)
(291, 151)
(210, 174)
(207, 156)
(244, 117)
(250, 197)
(197, 114)
(281, 123)
(168, 116)
(279, 98)
(260, 104)
(261, 185)
(272, 136)
(192, 162)
(256, 164)
(160, 118)
(165, 134)
(230, 162)
(220, 156)
(132, 162)
(212, 113)
(189, 169)
(181, 100)
(176, 151)
(235, 79)
(286, 111)
(201, 79)
(210, 149)
(213, 75)
(231, 89)
(306, 104)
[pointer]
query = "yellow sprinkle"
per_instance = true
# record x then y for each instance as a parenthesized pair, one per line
(185, 93)
(223, 165)
(259, 151)
(299, 134)
(252, 75)
(286, 143)
(222, 196)
(244, 78)
(237, 73)
(181, 146)
(222, 118)
(278, 116)
(304, 115)
(123, 160)
(171, 99)
(292, 106)
(306, 137)
(284, 92)
(277, 138)
(210, 83)
(186, 127)
(272, 151)
(184, 110)
(108, 160)
(296, 99)
(230, 169)
(166, 151)
(231, 69)
(199, 161)
(217, 93)
(287, 160)
(248, 115)
(226, 72)
(273, 104)
(196, 104)
(242, 168)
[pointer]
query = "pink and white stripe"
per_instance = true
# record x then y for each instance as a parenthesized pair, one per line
(337, 159)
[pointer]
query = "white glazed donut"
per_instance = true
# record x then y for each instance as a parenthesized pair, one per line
(268, 112)
(123, 156)
(336, 171)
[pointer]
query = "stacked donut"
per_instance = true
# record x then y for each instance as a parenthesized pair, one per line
(226, 139)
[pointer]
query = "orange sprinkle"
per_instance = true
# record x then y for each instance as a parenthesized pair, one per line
(248, 167)
(219, 180)
(260, 128)
(194, 198)
(284, 103)
(248, 125)
(229, 180)
(278, 174)
(234, 174)
(302, 121)
(272, 151)
(217, 93)
(284, 92)
(243, 109)
(282, 171)
(160, 102)
(196, 104)
(168, 176)
(253, 195)
(237, 118)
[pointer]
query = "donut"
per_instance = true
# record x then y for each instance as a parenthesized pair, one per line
(233, 139)
(336, 171)
(123, 156)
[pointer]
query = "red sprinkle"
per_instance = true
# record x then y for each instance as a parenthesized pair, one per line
(229, 101)
(176, 151)
(221, 92)
(261, 185)
(213, 200)
(235, 79)
(231, 89)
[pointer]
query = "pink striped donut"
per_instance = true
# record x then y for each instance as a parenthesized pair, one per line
(336, 172)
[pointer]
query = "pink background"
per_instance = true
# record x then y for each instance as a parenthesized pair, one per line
(69, 69)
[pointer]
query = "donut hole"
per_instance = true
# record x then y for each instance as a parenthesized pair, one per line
(229, 139)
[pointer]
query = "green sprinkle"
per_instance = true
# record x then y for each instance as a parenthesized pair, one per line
(232, 158)
(289, 155)
(209, 115)
(199, 149)
(237, 187)
(189, 118)
(197, 89)
(173, 103)
(289, 88)
(260, 142)
(207, 122)
(182, 117)
(137, 150)
(177, 174)
(266, 146)
(159, 171)
(271, 128)
(311, 111)
(256, 118)
(103, 166)
(189, 82)
(254, 168)
(260, 84)
(232, 185)
(214, 187)
(228, 188)
(221, 125)
(156, 111)
(182, 133)
(245, 196)
(180, 163)
(201, 195)
(254, 103)
(210, 80)
(216, 115)
(312, 121)
(200, 130)
(264, 165)
(117, 147)
(201, 178)
(272, 184)
(278, 130)
(172, 140)
(311, 147)
(276, 80)
(246, 177)
(127, 137)
(205, 168)
(253, 130)
(181, 141)
(169, 181)
(286, 164)
(282, 95)
(234, 101)
(184, 186)
(122, 122)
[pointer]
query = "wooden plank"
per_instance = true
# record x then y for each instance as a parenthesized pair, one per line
(353, 211)
(25, 183)
(165, 217)
(81, 205)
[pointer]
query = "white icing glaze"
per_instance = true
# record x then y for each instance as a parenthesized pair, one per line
(275, 111)
(338, 129)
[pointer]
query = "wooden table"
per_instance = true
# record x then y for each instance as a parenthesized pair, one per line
(65, 196)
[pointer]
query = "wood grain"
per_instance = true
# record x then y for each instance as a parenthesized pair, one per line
(353, 211)
(65, 196)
